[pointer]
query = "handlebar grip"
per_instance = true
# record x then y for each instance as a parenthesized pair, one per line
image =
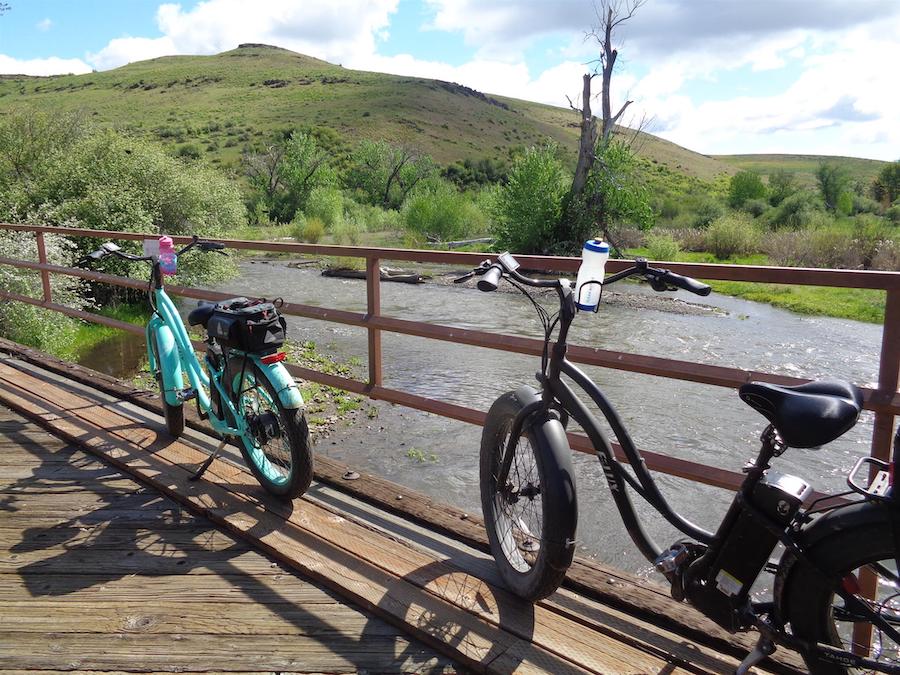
(687, 283)
(491, 279)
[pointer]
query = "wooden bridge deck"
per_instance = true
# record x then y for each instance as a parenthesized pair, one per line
(102, 573)
(98, 572)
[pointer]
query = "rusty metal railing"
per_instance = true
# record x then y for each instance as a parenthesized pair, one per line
(883, 400)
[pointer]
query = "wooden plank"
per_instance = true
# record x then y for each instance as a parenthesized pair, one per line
(365, 584)
(155, 560)
(173, 653)
(170, 616)
(136, 590)
(15, 539)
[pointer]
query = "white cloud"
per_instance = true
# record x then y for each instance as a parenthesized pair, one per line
(48, 66)
(839, 96)
(338, 30)
(44, 25)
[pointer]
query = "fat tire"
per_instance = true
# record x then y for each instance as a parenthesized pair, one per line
(809, 597)
(293, 423)
(559, 514)
(173, 414)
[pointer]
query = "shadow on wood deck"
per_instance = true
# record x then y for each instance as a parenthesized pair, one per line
(113, 575)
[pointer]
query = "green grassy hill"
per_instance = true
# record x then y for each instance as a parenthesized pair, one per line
(804, 166)
(227, 103)
(240, 99)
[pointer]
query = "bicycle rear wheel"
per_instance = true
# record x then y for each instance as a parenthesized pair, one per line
(277, 447)
(531, 519)
(818, 614)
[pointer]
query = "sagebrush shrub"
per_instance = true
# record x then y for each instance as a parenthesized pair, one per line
(661, 246)
(437, 210)
(730, 235)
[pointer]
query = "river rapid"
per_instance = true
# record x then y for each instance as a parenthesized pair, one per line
(698, 422)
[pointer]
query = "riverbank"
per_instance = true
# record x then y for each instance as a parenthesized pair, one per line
(855, 304)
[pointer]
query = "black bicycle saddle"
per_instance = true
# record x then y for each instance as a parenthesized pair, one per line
(806, 415)
(200, 315)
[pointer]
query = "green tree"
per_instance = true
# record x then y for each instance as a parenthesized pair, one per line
(782, 184)
(886, 186)
(613, 195)
(107, 180)
(833, 181)
(284, 175)
(437, 211)
(745, 185)
(306, 167)
(528, 208)
(384, 173)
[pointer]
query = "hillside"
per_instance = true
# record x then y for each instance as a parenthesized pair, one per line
(227, 103)
(804, 166)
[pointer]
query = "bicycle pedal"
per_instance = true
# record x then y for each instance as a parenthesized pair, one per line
(187, 394)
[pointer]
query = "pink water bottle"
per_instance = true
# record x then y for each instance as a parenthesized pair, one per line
(168, 261)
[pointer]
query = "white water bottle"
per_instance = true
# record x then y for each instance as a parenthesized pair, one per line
(593, 265)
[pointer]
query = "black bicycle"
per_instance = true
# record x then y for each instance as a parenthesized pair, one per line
(836, 586)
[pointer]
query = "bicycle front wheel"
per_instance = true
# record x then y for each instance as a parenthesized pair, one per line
(818, 614)
(531, 518)
(173, 414)
(276, 446)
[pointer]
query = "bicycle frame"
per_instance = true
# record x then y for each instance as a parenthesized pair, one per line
(176, 354)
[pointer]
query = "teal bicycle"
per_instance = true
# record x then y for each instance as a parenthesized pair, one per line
(244, 391)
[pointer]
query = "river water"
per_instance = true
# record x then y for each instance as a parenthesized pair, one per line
(698, 422)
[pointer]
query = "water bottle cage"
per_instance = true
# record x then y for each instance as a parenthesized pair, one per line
(599, 297)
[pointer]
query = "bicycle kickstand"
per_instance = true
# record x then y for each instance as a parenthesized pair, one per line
(209, 460)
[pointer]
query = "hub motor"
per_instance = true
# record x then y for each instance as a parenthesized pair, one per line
(264, 427)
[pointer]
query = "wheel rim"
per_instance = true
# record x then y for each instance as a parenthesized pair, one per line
(851, 635)
(271, 456)
(519, 506)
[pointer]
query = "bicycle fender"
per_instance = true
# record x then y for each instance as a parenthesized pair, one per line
(277, 374)
(550, 436)
(858, 515)
(170, 363)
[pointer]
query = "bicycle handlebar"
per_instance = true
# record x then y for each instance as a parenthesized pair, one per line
(660, 279)
(111, 249)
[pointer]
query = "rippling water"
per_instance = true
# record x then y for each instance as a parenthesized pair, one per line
(698, 422)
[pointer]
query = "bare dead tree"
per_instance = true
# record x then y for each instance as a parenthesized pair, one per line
(610, 14)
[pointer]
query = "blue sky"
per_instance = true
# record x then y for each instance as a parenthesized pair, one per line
(717, 76)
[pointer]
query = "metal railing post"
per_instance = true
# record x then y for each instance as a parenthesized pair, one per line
(373, 310)
(882, 435)
(888, 375)
(42, 258)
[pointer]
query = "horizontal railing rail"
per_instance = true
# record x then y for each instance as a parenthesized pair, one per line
(883, 400)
